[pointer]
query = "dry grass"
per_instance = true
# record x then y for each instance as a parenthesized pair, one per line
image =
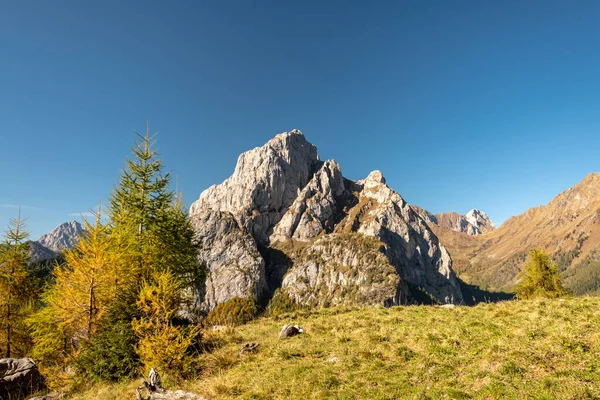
(546, 349)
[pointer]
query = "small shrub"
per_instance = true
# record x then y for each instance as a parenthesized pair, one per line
(281, 303)
(236, 311)
(109, 355)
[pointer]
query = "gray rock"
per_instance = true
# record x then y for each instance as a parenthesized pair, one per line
(266, 181)
(315, 209)
(19, 378)
(289, 331)
(343, 268)
(51, 245)
(37, 252)
(234, 265)
(475, 222)
(410, 246)
(480, 221)
(248, 348)
(47, 397)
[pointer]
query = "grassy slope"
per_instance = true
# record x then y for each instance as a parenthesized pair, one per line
(511, 350)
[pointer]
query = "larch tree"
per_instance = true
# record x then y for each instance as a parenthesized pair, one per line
(95, 301)
(144, 208)
(540, 277)
(17, 290)
(84, 288)
(162, 343)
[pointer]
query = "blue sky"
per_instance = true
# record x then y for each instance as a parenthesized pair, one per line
(461, 104)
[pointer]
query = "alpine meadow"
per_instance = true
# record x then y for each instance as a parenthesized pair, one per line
(432, 232)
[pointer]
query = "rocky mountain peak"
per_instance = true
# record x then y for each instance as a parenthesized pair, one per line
(580, 196)
(480, 220)
(375, 178)
(63, 237)
(265, 183)
(285, 217)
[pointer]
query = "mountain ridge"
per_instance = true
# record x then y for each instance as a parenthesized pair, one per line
(474, 222)
(568, 227)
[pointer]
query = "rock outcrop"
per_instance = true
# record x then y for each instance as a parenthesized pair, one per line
(234, 265)
(317, 207)
(286, 220)
(342, 268)
(480, 221)
(37, 252)
(19, 377)
(410, 246)
(266, 181)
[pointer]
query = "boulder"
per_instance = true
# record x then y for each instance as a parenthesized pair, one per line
(248, 348)
(289, 331)
(19, 378)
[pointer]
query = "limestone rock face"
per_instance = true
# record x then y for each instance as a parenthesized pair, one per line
(51, 245)
(266, 181)
(475, 222)
(426, 215)
(411, 246)
(37, 252)
(342, 268)
(234, 265)
(19, 377)
(286, 220)
(316, 207)
(456, 222)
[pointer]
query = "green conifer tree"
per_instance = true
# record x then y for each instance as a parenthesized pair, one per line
(144, 205)
(17, 291)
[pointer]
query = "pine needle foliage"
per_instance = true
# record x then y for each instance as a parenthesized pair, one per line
(113, 304)
(161, 343)
(84, 288)
(17, 291)
(540, 277)
(110, 354)
(144, 205)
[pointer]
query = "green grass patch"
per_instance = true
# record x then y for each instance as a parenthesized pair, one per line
(546, 349)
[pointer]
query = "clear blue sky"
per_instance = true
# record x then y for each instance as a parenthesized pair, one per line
(461, 104)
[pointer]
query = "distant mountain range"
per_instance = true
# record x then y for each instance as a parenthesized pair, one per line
(475, 222)
(568, 228)
(51, 245)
